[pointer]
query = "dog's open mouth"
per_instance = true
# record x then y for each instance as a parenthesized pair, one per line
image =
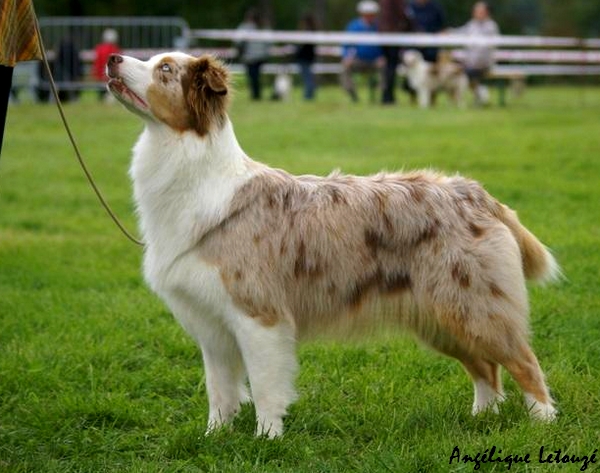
(118, 87)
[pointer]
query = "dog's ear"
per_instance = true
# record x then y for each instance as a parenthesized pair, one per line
(216, 80)
(206, 87)
(209, 75)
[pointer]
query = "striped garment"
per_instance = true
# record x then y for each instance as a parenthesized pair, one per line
(18, 37)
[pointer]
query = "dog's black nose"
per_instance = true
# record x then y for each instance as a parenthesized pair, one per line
(114, 59)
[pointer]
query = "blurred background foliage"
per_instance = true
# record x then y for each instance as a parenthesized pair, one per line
(545, 17)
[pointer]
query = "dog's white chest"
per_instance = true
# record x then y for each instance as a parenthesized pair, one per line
(183, 190)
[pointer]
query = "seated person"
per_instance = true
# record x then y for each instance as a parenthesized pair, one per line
(479, 59)
(361, 57)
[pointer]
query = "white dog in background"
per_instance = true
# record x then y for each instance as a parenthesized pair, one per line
(282, 86)
(427, 78)
(251, 259)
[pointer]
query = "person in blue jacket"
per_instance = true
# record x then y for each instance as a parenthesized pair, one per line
(361, 57)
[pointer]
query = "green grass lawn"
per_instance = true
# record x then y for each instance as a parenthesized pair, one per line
(96, 376)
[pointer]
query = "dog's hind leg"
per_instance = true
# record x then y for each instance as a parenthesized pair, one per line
(486, 376)
(525, 369)
(519, 361)
(511, 350)
(269, 354)
(505, 343)
(487, 382)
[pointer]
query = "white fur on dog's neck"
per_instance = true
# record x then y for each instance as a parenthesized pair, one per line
(183, 184)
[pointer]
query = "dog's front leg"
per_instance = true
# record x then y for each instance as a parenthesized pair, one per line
(269, 354)
(225, 378)
(424, 97)
(223, 365)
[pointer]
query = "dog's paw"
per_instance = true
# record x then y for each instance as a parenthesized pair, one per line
(544, 412)
(270, 429)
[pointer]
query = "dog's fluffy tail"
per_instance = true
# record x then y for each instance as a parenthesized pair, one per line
(538, 263)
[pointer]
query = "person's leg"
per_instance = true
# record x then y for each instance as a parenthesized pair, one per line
(389, 74)
(480, 92)
(253, 70)
(348, 81)
(5, 85)
(483, 94)
(308, 80)
(258, 83)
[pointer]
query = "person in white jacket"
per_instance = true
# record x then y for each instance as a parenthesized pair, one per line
(253, 54)
(479, 58)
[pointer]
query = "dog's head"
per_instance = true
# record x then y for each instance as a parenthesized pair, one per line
(178, 90)
(411, 58)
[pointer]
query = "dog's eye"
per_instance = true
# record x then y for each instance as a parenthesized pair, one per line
(165, 67)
